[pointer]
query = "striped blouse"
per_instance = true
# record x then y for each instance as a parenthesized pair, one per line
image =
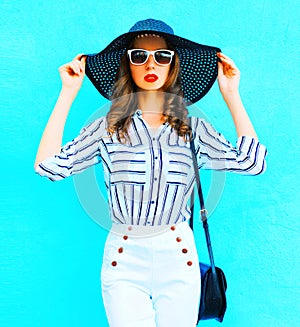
(149, 180)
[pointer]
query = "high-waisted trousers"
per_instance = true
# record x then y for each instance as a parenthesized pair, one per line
(150, 276)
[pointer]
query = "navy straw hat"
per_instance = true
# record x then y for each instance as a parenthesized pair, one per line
(198, 63)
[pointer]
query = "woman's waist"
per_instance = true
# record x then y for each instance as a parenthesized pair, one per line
(128, 230)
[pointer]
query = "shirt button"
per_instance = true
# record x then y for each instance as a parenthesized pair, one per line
(155, 178)
(173, 227)
(114, 263)
(152, 202)
(184, 250)
(189, 263)
(178, 239)
(120, 250)
(155, 158)
(125, 237)
(153, 139)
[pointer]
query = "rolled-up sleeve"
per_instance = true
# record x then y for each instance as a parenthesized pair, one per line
(215, 152)
(76, 155)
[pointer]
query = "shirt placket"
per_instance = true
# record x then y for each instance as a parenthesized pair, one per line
(155, 166)
(156, 162)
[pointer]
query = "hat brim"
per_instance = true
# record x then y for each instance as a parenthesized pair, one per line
(198, 64)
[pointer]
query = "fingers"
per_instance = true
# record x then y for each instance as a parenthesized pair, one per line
(80, 56)
(72, 68)
(226, 59)
(220, 69)
(226, 66)
(76, 66)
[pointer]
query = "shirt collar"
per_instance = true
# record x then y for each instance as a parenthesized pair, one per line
(139, 112)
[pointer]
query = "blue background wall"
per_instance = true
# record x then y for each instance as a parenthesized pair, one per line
(51, 249)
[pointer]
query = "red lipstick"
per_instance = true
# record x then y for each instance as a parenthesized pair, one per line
(151, 78)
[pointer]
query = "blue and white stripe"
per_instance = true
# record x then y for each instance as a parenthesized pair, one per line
(150, 179)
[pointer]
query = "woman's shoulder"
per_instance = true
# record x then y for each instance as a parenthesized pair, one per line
(201, 126)
(198, 122)
(97, 124)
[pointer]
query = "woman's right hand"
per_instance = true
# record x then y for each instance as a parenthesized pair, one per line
(72, 73)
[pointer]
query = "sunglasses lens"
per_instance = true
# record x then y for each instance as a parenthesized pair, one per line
(163, 57)
(138, 57)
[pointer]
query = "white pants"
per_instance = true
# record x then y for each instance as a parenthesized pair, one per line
(151, 280)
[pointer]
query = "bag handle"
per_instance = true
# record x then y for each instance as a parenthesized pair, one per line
(203, 211)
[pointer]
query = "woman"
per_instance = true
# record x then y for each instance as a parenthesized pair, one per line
(150, 273)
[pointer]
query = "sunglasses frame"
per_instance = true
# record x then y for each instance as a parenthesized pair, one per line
(150, 52)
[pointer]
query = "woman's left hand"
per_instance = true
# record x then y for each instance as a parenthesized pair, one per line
(228, 76)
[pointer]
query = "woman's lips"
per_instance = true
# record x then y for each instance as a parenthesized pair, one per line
(151, 78)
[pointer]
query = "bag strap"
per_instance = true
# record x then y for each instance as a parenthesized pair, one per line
(203, 211)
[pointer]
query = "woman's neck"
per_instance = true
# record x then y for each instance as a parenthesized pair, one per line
(152, 105)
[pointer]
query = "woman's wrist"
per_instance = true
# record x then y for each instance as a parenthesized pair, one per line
(232, 97)
(69, 93)
(234, 103)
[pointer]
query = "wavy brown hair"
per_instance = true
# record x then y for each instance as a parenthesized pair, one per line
(124, 101)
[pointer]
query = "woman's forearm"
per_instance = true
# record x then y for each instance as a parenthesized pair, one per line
(239, 115)
(229, 79)
(51, 140)
(72, 74)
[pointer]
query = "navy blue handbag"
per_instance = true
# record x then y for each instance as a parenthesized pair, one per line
(213, 282)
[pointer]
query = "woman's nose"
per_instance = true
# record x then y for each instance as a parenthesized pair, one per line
(150, 62)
